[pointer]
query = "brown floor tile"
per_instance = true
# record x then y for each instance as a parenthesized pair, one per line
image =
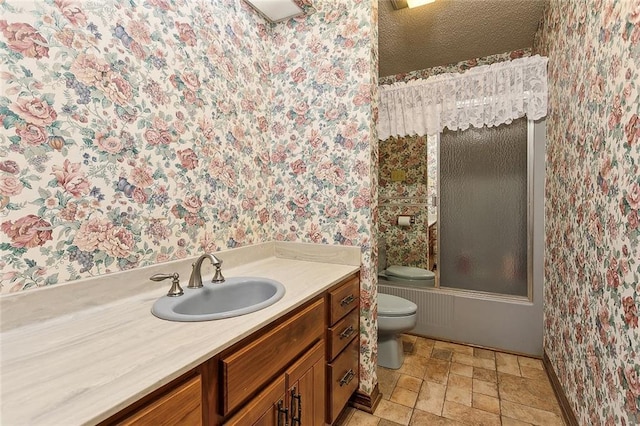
(484, 353)
(414, 365)
(444, 354)
(485, 388)
(431, 398)
(404, 397)
(458, 395)
(384, 422)
(424, 347)
(387, 380)
(461, 369)
(507, 363)
(409, 382)
(393, 412)
(530, 362)
(437, 371)
(408, 343)
(486, 403)
(422, 418)
(484, 374)
(531, 392)
(360, 418)
(507, 421)
(454, 347)
(462, 358)
(488, 364)
(442, 383)
(469, 415)
(529, 414)
(461, 382)
(533, 373)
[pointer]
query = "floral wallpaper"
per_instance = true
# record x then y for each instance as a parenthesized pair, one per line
(131, 134)
(146, 131)
(592, 255)
(323, 186)
(406, 246)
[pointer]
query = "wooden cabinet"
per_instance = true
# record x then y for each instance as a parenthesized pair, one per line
(266, 409)
(293, 398)
(248, 367)
(305, 388)
(181, 405)
(343, 345)
(298, 370)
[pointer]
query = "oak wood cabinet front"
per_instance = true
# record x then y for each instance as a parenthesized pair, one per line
(343, 345)
(181, 405)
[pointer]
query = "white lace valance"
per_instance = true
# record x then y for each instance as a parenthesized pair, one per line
(487, 95)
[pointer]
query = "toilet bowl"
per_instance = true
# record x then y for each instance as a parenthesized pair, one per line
(395, 315)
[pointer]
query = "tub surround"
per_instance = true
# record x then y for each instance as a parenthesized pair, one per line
(87, 357)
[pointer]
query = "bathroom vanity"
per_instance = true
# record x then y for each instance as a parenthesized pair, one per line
(115, 363)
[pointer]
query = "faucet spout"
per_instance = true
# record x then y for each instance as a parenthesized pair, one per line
(195, 281)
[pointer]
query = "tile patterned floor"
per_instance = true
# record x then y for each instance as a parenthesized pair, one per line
(443, 383)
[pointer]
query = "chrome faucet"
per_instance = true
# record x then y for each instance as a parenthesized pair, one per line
(195, 281)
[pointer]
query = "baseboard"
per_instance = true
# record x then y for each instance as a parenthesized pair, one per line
(565, 406)
(364, 402)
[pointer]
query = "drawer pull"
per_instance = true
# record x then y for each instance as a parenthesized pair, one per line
(347, 300)
(347, 332)
(346, 379)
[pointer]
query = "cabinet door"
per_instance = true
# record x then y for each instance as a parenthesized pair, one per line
(180, 406)
(306, 385)
(266, 409)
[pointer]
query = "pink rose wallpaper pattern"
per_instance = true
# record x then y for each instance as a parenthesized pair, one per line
(592, 252)
(141, 132)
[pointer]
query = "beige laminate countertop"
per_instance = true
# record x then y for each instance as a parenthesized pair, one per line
(82, 366)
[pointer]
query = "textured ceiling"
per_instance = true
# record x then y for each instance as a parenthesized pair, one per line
(450, 31)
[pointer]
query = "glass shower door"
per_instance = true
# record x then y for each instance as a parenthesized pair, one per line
(483, 211)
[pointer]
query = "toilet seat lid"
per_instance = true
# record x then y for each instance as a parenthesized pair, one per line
(410, 272)
(394, 306)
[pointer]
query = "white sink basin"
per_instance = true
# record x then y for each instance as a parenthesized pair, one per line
(236, 296)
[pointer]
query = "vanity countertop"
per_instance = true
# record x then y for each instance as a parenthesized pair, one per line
(84, 365)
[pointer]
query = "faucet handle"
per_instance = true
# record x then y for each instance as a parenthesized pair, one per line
(175, 290)
(217, 276)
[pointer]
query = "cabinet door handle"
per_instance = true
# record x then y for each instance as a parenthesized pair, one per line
(296, 405)
(347, 332)
(346, 379)
(282, 412)
(347, 300)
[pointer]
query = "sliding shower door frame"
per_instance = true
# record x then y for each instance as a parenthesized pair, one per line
(529, 221)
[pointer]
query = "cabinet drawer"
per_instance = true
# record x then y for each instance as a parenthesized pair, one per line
(342, 333)
(180, 406)
(247, 369)
(344, 299)
(342, 378)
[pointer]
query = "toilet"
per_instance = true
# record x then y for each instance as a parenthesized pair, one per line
(395, 315)
(405, 275)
